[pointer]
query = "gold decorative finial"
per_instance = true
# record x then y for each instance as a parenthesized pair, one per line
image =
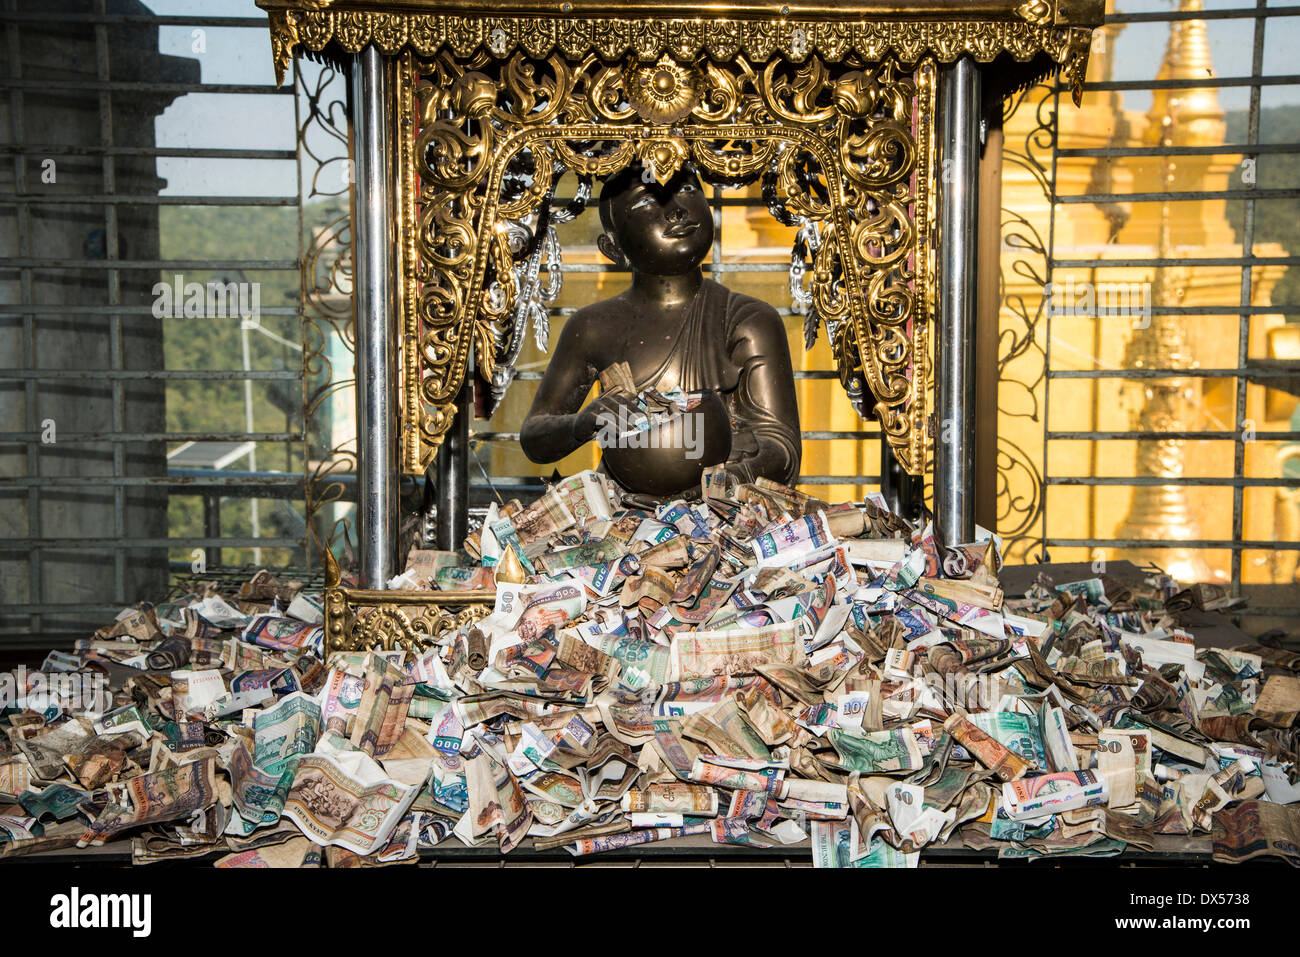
(1195, 112)
(510, 570)
(1163, 514)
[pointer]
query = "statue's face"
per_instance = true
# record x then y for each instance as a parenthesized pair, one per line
(663, 229)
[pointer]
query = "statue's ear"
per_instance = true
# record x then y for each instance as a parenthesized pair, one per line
(611, 250)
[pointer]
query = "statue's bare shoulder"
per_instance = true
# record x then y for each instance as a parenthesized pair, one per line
(582, 334)
(589, 333)
(755, 325)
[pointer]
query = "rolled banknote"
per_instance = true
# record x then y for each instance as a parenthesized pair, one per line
(615, 842)
(258, 796)
(15, 776)
(1103, 671)
(586, 495)
(283, 634)
(464, 578)
(540, 519)
(988, 596)
(1006, 764)
(342, 697)
(751, 806)
(1042, 794)
(845, 520)
(640, 819)
(680, 698)
(785, 542)
(381, 713)
(822, 792)
(1055, 733)
(689, 799)
(562, 790)
(758, 777)
(875, 553)
(554, 605)
(592, 553)
(1014, 731)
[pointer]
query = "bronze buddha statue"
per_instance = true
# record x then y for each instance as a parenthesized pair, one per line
(679, 333)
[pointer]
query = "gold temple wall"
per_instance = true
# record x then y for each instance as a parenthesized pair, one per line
(1201, 229)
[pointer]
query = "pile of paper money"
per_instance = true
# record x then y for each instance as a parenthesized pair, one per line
(752, 667)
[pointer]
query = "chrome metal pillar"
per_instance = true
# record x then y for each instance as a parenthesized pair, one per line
(453, 476)
(954, 449)
(376, 373)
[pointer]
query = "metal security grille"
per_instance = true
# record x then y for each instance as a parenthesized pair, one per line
(1156, 354)
(135, 446)
(143, 430)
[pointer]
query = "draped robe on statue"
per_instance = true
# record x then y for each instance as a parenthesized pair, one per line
(708, 355)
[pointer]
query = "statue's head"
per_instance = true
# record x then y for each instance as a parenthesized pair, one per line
(664, 229)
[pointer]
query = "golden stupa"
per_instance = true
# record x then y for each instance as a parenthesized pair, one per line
(1194, 338)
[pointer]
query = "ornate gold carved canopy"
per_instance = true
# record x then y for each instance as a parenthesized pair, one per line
(757, 29)
(829, 105)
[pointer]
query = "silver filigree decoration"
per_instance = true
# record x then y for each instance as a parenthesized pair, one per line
(804, 251)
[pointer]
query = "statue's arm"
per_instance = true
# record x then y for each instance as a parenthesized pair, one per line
(765, 400)
(555, 425)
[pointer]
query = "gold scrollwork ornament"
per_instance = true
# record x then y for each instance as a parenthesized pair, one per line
(846, 146)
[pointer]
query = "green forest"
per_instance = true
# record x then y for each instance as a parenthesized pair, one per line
(239, 233)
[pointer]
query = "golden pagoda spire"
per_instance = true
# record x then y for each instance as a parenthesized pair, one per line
(1198, 114)
(1161, 514)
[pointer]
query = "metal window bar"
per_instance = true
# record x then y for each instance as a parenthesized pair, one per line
(1243, 308)
(25, 200)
